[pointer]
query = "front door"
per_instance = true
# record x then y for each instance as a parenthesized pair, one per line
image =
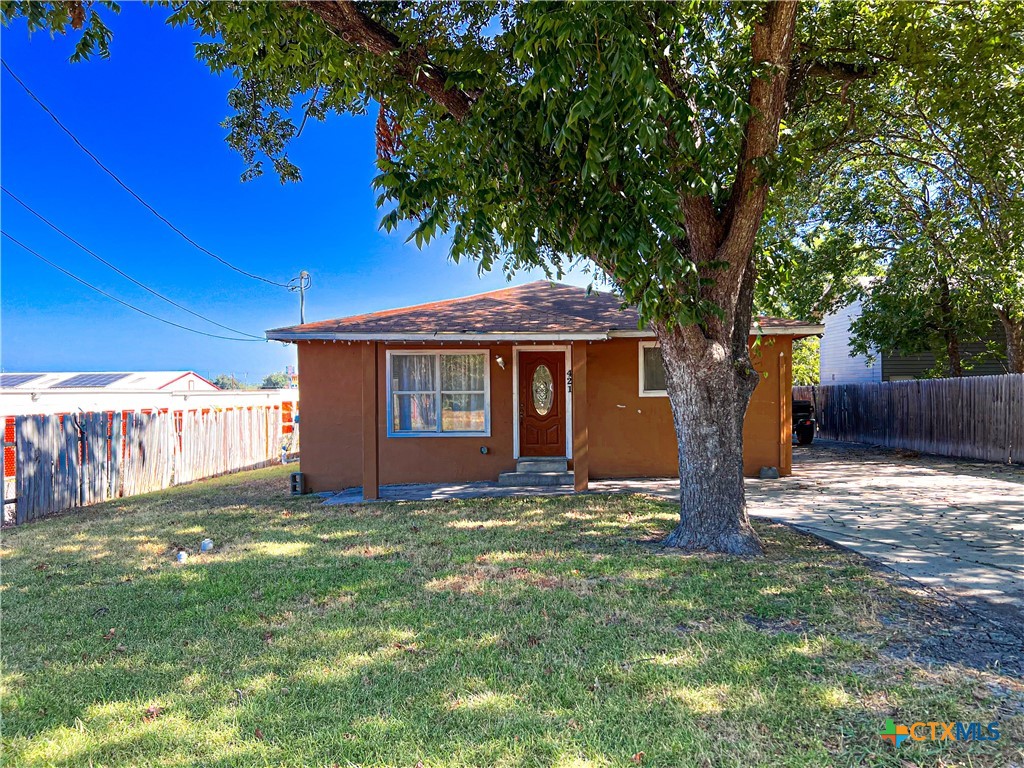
(541, 403)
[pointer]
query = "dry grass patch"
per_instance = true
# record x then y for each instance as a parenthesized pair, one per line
(511, 632)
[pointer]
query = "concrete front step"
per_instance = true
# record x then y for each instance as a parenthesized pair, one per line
(542, 465)
(535, 478)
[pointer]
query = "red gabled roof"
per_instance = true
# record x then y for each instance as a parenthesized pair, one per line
(541, 308)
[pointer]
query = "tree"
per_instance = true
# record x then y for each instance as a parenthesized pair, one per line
(806, 361)
(925, 190)
(919, 306)
(902, 221)
(277, 380)
(641, 137)
(228, 381)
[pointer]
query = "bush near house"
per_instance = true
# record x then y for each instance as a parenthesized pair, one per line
(806, 361)
(515, 632)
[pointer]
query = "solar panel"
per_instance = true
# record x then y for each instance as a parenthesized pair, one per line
(90, 380)
(16, 379)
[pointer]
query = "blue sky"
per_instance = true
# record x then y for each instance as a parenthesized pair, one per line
(152, 114)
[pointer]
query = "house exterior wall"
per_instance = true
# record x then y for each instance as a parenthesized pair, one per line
(836, 365)
(628, 435)
(192, 382)
(332, 441)
(633, 436)
(896, 366)
(444, 458)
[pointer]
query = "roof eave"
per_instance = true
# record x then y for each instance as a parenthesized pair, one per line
(435, 337)
(788, 330)
(798, 331)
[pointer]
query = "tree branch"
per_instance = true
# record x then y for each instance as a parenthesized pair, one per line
(838, 70)
(346, 21)
(772, 50)
(703, 229)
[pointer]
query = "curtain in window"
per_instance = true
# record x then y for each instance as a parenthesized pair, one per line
(463, 373)
(414, 413)
(413, 388)
(463, 413)
(412, 373)
(462, 393)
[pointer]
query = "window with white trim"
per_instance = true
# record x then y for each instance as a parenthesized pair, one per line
(652, 370)
(438, 393)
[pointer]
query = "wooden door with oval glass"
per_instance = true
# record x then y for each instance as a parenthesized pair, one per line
(541, 403)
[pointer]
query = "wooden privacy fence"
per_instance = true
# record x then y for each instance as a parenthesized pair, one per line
(74, 460)
(978, 417)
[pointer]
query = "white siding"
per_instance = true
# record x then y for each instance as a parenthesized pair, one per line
(837, 366)
(17, 403)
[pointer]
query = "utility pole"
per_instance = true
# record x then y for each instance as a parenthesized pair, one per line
(301, 284)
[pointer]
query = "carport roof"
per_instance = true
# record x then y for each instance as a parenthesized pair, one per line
(540, 310)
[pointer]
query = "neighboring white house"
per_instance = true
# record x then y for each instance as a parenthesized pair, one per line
(108, 381)
(23, 394)
(840, 365)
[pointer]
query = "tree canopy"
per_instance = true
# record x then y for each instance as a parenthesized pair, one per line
(276, 380)
(924, 191)
(806, 361)
(641, 138)
(228, 381)
(543, 133)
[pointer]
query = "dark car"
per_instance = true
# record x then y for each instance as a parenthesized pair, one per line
(804, 424)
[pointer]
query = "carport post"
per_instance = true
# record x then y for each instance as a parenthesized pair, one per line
(371, 470)
(580, 434)
(786, 409)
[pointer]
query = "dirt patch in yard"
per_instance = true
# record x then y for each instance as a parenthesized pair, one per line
(933, 625)
(480, 578)
(936, 628)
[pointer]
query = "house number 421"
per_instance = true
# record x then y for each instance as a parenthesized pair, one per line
(568, 381)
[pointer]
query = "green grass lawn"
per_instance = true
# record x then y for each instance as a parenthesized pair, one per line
(512, 632)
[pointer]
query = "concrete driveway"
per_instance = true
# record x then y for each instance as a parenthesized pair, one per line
(953, 524)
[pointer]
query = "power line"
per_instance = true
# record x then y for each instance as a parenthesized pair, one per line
(123, 274)
(131, 191)
(114, 298)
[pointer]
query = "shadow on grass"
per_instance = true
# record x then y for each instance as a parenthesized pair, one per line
(514, 632)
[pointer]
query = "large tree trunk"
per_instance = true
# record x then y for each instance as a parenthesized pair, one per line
(954, 363)
(709, 386)
(707, 367)
(1014, 328)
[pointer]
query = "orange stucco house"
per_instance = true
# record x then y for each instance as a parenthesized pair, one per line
(540, 378)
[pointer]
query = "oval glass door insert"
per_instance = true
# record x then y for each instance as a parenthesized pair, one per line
(543, 390)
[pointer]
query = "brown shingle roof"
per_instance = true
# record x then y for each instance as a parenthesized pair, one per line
(542, 308)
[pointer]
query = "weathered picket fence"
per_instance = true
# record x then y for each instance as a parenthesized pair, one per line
(74, 460)
(978, 417)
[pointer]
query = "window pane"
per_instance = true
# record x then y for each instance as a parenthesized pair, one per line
(543, 388)
(463, 372)
(654, 370)
(412, 373)
(414, 413)
(463, 413)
